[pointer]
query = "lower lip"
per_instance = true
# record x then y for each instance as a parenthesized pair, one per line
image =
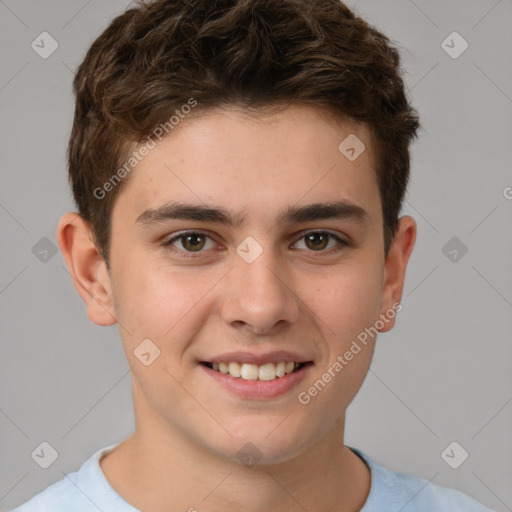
(258, 389)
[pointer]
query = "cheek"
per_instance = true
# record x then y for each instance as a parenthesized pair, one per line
(160, 303)
(352, 306)
(348, 301)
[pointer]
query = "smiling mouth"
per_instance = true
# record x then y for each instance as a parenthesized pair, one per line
(264, 372)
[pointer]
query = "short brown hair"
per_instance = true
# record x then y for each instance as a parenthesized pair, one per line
(252, 54)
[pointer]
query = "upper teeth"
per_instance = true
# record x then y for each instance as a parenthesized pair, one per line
(268, 371)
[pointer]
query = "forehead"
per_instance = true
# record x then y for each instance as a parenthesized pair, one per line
(258, 163)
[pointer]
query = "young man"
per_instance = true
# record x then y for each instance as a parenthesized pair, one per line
(239, 167)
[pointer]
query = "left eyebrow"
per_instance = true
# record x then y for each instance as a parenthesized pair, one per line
(312, 212)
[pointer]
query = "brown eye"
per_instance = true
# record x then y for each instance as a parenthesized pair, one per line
(193, 242)
(187, 243)
(318, 241)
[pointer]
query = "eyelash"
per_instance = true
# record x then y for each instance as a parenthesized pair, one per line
(191, 254)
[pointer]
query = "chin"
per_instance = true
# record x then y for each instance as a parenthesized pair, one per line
(257, 444)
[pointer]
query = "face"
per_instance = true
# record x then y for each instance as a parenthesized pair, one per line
(233, 279)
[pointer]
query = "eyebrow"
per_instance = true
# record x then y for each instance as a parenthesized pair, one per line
(293, 214)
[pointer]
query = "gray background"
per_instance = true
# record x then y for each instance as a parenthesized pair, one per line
(442, 375)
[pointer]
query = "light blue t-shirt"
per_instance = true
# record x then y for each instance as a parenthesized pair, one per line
(87, 490)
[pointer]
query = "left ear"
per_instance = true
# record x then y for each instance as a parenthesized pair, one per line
(395, 266)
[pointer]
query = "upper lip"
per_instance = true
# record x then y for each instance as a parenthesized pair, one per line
(259, 359)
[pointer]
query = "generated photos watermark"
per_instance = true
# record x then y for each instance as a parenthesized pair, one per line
(143, 150)
(304, 397)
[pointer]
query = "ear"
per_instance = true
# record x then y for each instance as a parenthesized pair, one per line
(87, 268)
(395, 266)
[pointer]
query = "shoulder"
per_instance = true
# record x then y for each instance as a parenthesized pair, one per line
(61, 494)
(85, 490)
(392, 490)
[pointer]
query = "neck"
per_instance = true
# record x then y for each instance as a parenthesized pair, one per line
(159, 469)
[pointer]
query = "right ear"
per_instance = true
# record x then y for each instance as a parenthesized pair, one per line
(87, 268)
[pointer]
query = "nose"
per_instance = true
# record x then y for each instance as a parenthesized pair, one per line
(259, 296)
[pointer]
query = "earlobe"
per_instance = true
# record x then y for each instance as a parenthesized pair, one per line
(395, 267)
(86, 267)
